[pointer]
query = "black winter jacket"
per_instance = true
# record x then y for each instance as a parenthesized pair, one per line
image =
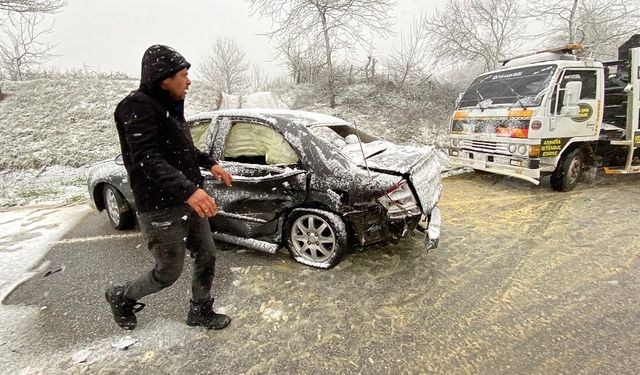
(157, 148)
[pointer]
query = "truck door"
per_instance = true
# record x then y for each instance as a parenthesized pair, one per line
(587, 122)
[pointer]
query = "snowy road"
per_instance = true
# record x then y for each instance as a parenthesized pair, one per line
(27, 234)
(525, 280)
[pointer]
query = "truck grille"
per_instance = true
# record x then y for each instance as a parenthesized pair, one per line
(484, 146)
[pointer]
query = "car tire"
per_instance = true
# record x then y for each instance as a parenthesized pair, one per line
(316, 238)
(568, 172)
(118, 210)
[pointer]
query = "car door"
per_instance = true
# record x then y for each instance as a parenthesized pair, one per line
(267, 179)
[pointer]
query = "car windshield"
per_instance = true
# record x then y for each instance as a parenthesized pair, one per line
(523, 87)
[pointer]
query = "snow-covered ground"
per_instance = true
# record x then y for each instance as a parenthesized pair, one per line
(27, 234)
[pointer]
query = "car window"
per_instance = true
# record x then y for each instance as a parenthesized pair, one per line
(258, 144)
(199, 132)
(341, 135)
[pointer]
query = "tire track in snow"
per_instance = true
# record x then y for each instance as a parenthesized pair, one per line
(98, 238)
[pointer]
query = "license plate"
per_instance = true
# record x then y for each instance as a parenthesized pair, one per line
(477, 164)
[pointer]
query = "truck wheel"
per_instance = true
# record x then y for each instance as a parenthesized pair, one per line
(316, 238)
(568, 171)
(118, 210)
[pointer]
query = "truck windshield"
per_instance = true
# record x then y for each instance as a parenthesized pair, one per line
(523, 87)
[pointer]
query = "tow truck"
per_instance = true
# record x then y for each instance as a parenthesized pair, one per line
(552, 113)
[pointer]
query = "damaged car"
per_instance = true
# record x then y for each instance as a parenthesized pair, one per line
(310, 182)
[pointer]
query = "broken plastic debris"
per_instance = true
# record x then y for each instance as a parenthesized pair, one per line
(149, 356)
(80, 356)
(124, 343)
(51, 272)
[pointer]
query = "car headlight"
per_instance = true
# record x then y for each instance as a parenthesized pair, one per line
(512, 148)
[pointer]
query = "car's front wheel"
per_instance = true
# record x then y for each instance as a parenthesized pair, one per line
(118, 210)
(316, 238)
(568, 171)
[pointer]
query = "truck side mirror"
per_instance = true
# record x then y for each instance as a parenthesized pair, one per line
(572, 93)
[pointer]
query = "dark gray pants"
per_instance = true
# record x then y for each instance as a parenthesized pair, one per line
(169, 233)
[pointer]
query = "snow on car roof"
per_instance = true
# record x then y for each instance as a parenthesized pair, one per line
(301, 117)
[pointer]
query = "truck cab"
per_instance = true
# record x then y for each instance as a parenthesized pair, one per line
(542, 114)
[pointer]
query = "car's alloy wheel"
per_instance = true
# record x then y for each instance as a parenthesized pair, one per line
(316, 238)
(118, 210)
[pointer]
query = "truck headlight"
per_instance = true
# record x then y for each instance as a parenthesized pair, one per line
(522, 149)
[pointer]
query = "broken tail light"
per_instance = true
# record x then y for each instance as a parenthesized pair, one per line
(399, 202)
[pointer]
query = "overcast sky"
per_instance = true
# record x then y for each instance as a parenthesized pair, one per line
(112, 35)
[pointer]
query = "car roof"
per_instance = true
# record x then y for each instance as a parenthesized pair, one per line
(274, 115)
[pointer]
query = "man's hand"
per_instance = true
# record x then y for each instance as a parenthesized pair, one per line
(221, 175)
(202, 203)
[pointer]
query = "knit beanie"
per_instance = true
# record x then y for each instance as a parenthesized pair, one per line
(160, 62)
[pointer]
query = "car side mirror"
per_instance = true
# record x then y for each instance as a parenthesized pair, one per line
(459, 98)
(572, 93)
(119, 160)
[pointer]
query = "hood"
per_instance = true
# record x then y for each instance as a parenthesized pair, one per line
(387, 156)
(160, 62)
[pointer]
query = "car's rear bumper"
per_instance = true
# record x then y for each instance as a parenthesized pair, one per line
(373, 226)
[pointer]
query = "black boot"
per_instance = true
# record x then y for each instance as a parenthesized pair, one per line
(201, 314)
(122, 308)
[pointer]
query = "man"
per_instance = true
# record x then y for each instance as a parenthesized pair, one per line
(173, 209)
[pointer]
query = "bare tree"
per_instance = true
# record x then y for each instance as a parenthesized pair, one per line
(257, 79)
(20, 48)
(410, 56)
(467, 30)
(32, 6)
(303, 57)
(370, 67)
(28, 8)
(226, 67)
(599, 24)
(338, 23)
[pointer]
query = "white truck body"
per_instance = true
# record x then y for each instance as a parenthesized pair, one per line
(542, 114)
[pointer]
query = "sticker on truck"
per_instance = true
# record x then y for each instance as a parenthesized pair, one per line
(552, 146)
(584, 113)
